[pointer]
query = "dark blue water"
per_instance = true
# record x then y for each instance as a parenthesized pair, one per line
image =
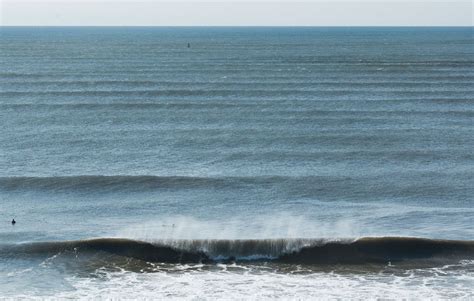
(248, 133)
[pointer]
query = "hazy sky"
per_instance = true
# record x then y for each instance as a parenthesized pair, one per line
(237, 12)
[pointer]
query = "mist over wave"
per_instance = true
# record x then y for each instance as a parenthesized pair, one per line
(279, 225)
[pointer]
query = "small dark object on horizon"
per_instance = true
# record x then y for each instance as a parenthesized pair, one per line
(189, 45)
(13, 221)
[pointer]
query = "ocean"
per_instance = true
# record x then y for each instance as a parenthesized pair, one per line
(253, 163)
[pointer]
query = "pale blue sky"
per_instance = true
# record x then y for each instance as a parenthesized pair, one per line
(237, 12)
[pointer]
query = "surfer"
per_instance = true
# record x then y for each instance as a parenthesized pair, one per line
(13, 222)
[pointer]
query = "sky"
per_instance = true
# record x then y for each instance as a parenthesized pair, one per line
(236, 13)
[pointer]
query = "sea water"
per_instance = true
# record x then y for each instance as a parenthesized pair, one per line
(248, 149)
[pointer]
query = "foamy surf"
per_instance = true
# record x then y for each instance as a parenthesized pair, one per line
(232, 283)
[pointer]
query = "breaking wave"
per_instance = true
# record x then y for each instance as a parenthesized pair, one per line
(369, 250)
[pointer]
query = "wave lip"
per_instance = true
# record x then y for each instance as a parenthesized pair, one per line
(369, 250)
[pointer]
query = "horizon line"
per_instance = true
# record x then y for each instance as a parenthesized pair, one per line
(258, 26)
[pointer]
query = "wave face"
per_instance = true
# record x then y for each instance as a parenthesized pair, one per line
(289, 251)
(383, 250)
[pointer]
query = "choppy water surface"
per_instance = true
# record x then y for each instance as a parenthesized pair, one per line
(249, 165)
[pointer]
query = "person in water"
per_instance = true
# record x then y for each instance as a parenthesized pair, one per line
(13, 221)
